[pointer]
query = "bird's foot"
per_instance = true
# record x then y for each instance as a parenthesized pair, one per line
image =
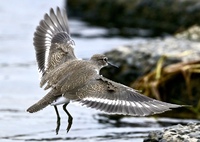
(70, 121)
(58, 126)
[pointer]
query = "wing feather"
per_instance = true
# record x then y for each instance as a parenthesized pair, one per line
(53, 28)
(121, 100)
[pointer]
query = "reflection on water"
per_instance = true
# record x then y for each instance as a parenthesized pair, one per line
(19, 82)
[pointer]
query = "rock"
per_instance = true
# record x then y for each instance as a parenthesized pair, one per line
(160, 68)
(141, 57)
(177, 133)
(192, 33)
(137, 17)
(154, 136)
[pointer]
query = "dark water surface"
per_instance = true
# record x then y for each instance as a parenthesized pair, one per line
(19, 83)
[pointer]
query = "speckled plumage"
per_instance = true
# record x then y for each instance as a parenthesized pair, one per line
(52, 41)
(79, 80)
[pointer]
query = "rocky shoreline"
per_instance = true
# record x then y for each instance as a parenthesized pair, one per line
(177, 133)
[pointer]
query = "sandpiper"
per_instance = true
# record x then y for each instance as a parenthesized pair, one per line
(70, 79)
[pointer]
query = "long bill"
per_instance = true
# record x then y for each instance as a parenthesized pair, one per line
(112, 65)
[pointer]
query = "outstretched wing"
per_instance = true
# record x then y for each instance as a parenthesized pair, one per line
(109, 96)
(53, 31)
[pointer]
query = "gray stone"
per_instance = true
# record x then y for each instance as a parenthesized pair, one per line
(177, 133)
(192, 33)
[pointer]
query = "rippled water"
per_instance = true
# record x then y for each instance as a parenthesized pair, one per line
(19, 83)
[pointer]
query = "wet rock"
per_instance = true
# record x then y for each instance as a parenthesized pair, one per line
(177, 133)
(138, 17)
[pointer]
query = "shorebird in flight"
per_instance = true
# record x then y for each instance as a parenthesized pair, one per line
(69, 79)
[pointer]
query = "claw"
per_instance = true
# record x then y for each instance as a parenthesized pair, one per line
(70, 120)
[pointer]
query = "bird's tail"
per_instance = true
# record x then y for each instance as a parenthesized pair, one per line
(45, 101)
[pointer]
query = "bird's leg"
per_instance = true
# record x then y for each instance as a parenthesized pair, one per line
(58, 119)
(70, 118)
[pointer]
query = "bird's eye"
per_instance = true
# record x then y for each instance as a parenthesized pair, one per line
(105, 59)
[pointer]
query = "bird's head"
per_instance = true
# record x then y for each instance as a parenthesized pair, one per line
(101, 60)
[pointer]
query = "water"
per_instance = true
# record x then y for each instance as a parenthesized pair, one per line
(19, 83)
